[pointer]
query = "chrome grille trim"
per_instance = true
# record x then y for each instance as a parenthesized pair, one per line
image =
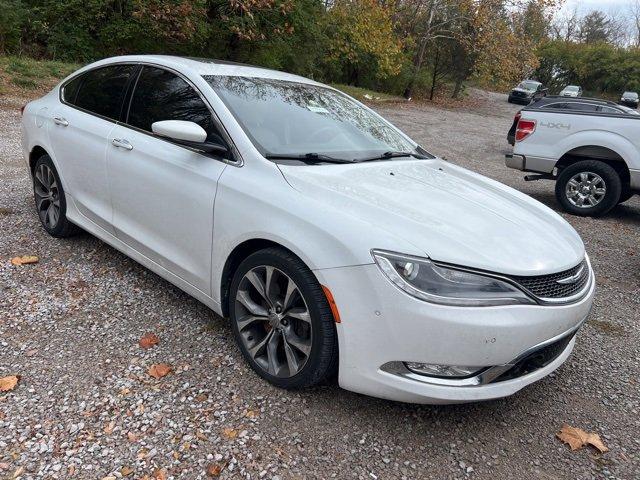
(556, 288)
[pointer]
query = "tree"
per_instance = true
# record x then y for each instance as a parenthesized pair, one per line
(595, 27)
(362, 40)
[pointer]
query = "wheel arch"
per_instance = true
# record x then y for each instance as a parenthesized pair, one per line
(235, 258)
(598, 153)
(36, 152)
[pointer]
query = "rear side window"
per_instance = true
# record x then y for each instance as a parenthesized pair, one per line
(70, 89)
(560, 106)
(101, 91)
(582, 107)
(610, 110)
(162, 95)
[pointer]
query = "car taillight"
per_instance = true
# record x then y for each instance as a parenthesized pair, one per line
(524, 129)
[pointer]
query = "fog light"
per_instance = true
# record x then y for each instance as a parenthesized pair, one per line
(447, 371)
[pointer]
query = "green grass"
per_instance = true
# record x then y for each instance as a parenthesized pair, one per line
(365, 95)
(30, 74)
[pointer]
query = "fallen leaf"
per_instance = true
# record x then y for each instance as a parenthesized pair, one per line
(19, 471)
(230, 433)
(24, 260)
(9, 383)
(126, 471)
(577, 438)
(133, 438)
(159, 370)
(201, 435)
(149, 340)
(108, 429)
(71, 470)
(214, 469)
(160, 474)
(252, 413)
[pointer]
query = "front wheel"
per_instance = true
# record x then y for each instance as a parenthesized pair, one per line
(588, 188)
(282, 320)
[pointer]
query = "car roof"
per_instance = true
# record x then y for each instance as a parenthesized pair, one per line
(530, 81)
(560, 99)
(202, 66)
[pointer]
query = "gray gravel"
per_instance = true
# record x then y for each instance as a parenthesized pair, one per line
(85, 407)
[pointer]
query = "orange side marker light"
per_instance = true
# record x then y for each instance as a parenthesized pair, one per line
(332, 303)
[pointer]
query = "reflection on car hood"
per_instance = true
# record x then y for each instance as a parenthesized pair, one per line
(517, 89)
(450, 213)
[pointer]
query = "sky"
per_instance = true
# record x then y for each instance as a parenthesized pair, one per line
(604, 5)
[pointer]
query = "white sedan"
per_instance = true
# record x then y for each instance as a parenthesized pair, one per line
(334, 243)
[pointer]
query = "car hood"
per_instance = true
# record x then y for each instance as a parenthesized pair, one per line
(447, 212)
(528, 92)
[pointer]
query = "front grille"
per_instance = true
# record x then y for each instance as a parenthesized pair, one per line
(518, 94)
(547, 286)
(536, 360)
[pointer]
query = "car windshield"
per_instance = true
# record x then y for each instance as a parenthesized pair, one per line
(572, 88)
(289, 119)
(530, 86)
(633, 95)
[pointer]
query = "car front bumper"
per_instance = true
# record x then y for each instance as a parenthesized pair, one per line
(382, 329)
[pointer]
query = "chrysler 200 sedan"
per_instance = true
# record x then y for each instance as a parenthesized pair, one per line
(334, 243)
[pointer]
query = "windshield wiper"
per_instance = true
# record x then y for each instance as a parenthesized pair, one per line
(387, 155)
(306, 157)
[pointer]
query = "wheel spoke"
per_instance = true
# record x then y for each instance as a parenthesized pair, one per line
(258, 284)
(250, 320)
(40, 203)
(302, 345)
(257, 348)
(245, 300)
(300, 314)
(272, 352)
(292, 360)
(291, 290)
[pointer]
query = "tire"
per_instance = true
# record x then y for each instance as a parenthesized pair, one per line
(626, 193)
(50, 201)
(289, 348)
(588, 188)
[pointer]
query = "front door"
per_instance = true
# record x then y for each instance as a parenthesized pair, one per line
(163, 193)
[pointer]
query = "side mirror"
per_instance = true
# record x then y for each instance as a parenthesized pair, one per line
(189, 134)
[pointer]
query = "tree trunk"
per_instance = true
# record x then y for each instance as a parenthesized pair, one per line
(434, 76)
(417, 65)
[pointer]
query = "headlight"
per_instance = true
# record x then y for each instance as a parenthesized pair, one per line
(423, 279)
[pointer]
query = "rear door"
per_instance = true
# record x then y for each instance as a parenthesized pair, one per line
(90, 105)
(163, 193)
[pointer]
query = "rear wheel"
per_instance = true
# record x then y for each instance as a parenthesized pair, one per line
(588, 188)
(50, 200)
(282, 321)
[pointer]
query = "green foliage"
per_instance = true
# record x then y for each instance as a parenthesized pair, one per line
(31, 74)
(13, 17)
(599, 68)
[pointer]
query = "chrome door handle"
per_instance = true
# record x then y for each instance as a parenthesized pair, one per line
(60, 121)
(122, 143)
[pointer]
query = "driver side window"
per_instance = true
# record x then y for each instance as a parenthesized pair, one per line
(162, 95)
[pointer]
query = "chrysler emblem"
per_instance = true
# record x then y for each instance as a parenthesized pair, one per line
(572, 279)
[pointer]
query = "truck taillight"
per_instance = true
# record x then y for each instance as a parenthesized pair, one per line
(524, 129)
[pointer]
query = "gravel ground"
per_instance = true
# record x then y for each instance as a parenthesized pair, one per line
(85, 407)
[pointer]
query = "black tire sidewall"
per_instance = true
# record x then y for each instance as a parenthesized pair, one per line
(609, 176)
(320, 364)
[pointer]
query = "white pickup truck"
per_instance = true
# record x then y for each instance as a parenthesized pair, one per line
(590, 147)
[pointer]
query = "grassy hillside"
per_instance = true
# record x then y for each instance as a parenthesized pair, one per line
(26, 77)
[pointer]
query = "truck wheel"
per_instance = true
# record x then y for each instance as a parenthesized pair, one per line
(589, 188)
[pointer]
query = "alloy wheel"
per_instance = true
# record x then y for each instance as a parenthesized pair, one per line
(274, 321)
(586, 189)
(47, 196)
